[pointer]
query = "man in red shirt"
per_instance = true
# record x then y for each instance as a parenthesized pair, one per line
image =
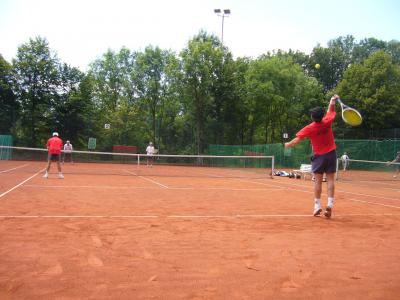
(54, 146)
(324, 148)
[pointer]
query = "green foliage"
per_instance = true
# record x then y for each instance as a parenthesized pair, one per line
(8, 101)
(333, 63)
(200, 62)
(278, 94)
(154, 85)
(374, 88)
(36, 76)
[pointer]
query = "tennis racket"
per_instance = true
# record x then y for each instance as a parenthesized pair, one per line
(350, 115)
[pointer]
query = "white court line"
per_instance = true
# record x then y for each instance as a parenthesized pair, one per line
(284, 185)
(78, 217)
(372, 196)
(247, 180)
(18, 185)
(148, 187)
(386, 186)
(5, 171)
(374, 203)
(148, 179)
(185, 216)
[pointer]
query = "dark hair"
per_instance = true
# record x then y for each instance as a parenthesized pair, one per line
(317, 113)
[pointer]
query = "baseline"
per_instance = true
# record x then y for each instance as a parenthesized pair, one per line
(236, 216)
(147, 187)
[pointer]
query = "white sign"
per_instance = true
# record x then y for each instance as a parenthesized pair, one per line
(107, 126)
(285, 135)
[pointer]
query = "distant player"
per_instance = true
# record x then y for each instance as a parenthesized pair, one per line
(396, 160)
(324, 148)
(345, 161)
(54, 146)
(150, 154)
(68, 151)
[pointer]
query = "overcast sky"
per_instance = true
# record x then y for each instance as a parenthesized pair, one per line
(80, 31)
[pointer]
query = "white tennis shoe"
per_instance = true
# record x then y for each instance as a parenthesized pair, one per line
(317, 211)
(46, 175)
(61, 176)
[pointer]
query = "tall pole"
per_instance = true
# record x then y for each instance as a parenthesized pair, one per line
(222, 13)
(222, 34)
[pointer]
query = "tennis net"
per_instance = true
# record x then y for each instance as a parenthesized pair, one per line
(367, 170)
(24, 159)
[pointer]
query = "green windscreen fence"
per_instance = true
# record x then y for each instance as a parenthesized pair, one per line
(374, 150)
(5, 153)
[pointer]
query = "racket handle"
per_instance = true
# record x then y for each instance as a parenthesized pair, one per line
(340, 101)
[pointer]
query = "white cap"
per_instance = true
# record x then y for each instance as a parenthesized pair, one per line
(67, 141)
(55, 133)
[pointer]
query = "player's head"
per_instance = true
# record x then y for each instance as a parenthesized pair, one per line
(317, 113)
(67, 142)
(150, 143)
(55, 133)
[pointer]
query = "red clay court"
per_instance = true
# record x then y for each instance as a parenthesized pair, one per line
(123, 232)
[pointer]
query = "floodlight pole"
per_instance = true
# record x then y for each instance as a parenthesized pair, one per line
(222, 13)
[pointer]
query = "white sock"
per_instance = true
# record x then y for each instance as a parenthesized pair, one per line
(330, 202)
(317, 204)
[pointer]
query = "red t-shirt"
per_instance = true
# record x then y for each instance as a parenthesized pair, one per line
(320, 134)
(54, 145)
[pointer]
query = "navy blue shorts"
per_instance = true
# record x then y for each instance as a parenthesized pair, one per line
(325, 163)
(54, 157)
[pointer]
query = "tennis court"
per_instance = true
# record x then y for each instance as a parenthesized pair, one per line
(115, 231)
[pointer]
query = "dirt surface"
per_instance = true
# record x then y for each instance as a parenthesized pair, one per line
(143, 237)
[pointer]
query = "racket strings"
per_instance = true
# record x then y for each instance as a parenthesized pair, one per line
(351, 117)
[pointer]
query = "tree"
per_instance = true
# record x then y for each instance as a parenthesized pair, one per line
(393, 48)
(112, 79)
(153, 90)
(374, 88)
(333, 62)
(240, 123)
(112, 91)
(199, 72)
(36, 75)
(8, 102)
(74, 111)
(279, 95)
(366, 47)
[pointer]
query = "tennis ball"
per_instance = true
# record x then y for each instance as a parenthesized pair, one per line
(317, 66)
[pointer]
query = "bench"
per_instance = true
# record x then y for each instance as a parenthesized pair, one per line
(303, 171)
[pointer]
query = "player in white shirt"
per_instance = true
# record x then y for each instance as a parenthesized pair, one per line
(396, 160)
(68, 151)
(345, 161)
(150, 153)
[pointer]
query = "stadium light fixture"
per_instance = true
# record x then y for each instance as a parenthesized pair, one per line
(223, 14)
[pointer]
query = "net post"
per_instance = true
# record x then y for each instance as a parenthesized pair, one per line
(138, 160)
(337, 169)
(272, 166)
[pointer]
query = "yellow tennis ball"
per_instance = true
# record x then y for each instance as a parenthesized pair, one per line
(317, 66)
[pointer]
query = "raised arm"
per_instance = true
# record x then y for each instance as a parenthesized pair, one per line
(332, 103)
